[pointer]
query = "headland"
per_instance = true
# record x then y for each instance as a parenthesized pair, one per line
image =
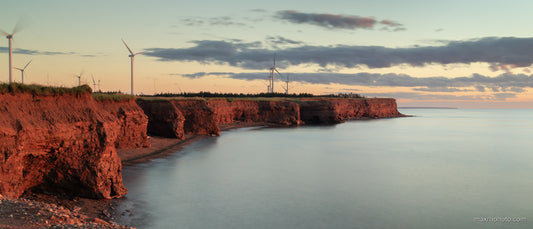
(68, 145)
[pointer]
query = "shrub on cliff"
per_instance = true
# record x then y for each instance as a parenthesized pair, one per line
(116, 97)
(35, 89)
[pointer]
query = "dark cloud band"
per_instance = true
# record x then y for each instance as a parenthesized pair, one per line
(505, 51)
(334, 21)
(502, 83)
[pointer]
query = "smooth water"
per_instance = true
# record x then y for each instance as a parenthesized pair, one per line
(439, 169)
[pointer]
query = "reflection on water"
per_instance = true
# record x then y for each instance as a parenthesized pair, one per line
(440, 169)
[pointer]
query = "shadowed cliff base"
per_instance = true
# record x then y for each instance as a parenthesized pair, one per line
(176, 117)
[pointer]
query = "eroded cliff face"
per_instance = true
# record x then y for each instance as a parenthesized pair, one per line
(283, 113)
(164, 119)
(132, 121)
(177, 117)
(65, 144)
(199, 117)
(333, 110)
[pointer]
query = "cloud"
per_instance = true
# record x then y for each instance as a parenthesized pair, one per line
(440, 89)
(279, 40)
(452, 97)
(502, 87)
(502, 83)
(423, 96)
(334, 21)
(34, 52)
(213, 21)
(506, 51)
(258, 10)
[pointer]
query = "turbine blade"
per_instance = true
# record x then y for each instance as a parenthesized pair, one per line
(140, 53)
(17, 27)
(28, 64)
(127, 47)
(19, 69)
(4, 33)
(277, 71)
(94, 82)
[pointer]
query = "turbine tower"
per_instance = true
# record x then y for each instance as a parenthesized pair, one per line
(132, 55)
(94, 83)
(287, 87)
(22, 70)
(271, 78)
(79, 78)
(10, 41)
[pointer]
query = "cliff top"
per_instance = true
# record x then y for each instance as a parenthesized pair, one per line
(230, 99)
(35, 89)
(116, 97)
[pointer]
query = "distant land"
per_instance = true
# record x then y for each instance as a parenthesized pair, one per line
(428, 108)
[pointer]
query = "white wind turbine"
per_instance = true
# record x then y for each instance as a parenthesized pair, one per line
(22, 70)
(271, 78)
(132, 55)
(94, 83)
(287, 87)
(79, 78)
(10, 39)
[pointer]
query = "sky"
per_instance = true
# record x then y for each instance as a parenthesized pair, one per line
(455, 53)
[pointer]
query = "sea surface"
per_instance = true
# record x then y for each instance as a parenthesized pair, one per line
(442, 168)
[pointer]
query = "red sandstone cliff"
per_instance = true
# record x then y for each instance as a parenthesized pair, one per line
(177, 117)
(199, 117)
(164, 119)
(132, 121)
(273, 112)
(65, 143)
(334, 110)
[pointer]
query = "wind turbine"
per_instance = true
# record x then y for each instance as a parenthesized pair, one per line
(10, 39)
(94, 83)
(79, 78)
(22, 70)
(287, 87)
(271, 78)
(132, 55)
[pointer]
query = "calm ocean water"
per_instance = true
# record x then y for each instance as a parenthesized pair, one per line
(440, 169)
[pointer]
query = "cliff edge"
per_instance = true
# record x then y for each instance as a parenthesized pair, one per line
(176, 117)
(56, 141)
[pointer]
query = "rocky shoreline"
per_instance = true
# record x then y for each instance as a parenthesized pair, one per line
(66, 149)
(36, 210)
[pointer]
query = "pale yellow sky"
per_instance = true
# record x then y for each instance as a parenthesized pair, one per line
(64, 38)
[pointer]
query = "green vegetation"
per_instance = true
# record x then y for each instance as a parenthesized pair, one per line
(35, 89)
(165, 98)
(112, 96)
(204, 94)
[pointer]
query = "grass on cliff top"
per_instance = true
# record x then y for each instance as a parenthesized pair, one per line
(151, 98)
(35, 89)
(112, 96)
